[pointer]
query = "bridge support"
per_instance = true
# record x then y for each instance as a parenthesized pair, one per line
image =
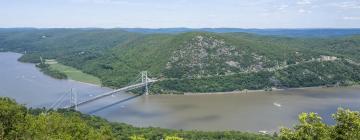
(73, 99)
(145, 79)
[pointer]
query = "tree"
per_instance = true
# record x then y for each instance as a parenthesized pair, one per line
(17, 123)
(173, 138)
(2, 135)
(135, 137)
(12, 115)
(347, 125)
(311, 127)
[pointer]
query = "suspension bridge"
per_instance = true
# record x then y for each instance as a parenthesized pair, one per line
(141, 81)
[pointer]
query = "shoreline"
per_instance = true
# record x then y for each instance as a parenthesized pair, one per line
(202, 93)
(212, 93)
(228, 92)
(55, 62)
(260, 90)
(90, 84)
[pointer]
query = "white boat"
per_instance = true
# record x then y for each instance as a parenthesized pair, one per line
(277, 104)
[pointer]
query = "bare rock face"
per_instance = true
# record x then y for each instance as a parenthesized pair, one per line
(232, 63)
(207, 55)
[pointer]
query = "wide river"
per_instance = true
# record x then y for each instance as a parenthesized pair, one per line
(246, 112)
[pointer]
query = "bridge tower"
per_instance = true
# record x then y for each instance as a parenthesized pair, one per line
(73, 99)
(145, 79)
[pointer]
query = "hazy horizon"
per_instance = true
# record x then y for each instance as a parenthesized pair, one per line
(245, 14)
(310, 28)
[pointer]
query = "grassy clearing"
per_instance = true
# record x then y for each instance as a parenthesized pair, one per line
(73, 73)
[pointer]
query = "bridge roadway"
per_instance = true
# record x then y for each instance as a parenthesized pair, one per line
(127, 88)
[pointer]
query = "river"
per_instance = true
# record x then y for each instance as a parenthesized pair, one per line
(246, 112)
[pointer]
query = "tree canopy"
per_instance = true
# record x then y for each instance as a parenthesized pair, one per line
(312, 127)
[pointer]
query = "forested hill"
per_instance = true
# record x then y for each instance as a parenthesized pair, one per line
(194, 61)
(305, 33)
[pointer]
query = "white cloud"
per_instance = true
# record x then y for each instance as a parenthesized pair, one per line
(349, 5)
(304, 11)
(282, 7)
(104, 1)
(265, 14)
(304, 2)
(351, 18)
(305, 6)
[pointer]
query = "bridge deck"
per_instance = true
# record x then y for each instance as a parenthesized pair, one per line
(127, 88)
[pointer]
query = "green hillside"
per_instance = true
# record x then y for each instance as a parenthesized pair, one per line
(194, 61)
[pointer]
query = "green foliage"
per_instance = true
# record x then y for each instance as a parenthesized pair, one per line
(347, 125)
(249, 81)
(11, 117)
(193, 61)
(311, 127)
(301, 75)
(173, 138)
(30, 58)
(318, 73)
(17, 122)
(137, 138)
(123, 131)
(73, 73)
(46, 69)
(56, 126)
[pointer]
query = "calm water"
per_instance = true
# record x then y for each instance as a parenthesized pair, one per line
(246, 112)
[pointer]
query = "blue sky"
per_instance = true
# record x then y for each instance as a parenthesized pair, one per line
(181, 13)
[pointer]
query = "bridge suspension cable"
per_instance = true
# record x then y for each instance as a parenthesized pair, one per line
(145, 81)
(59, 101)
(73, 99)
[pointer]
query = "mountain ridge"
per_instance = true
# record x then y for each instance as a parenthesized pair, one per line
(284, 32)
(195, 61)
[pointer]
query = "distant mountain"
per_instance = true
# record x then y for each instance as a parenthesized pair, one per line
(195, 61)
(278, 32)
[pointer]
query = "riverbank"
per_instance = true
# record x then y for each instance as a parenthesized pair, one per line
(262, 90)
(73, 73)
(60, 71)
(47, 70)
(32, 88)
(78, 76)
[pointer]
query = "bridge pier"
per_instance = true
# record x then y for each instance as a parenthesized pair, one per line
(73, 100)
(145, 79)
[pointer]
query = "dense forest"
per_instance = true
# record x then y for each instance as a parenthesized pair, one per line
(304, 33)
(18, 122)
(195, 61)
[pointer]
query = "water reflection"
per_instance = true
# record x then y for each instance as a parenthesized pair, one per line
(113, 104)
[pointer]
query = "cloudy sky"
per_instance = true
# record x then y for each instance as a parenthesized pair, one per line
(181, 13)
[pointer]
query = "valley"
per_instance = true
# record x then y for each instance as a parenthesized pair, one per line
(194, 61)
(179, 70)
(239, 111)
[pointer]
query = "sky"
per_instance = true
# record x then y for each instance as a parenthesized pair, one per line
(180, 13)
